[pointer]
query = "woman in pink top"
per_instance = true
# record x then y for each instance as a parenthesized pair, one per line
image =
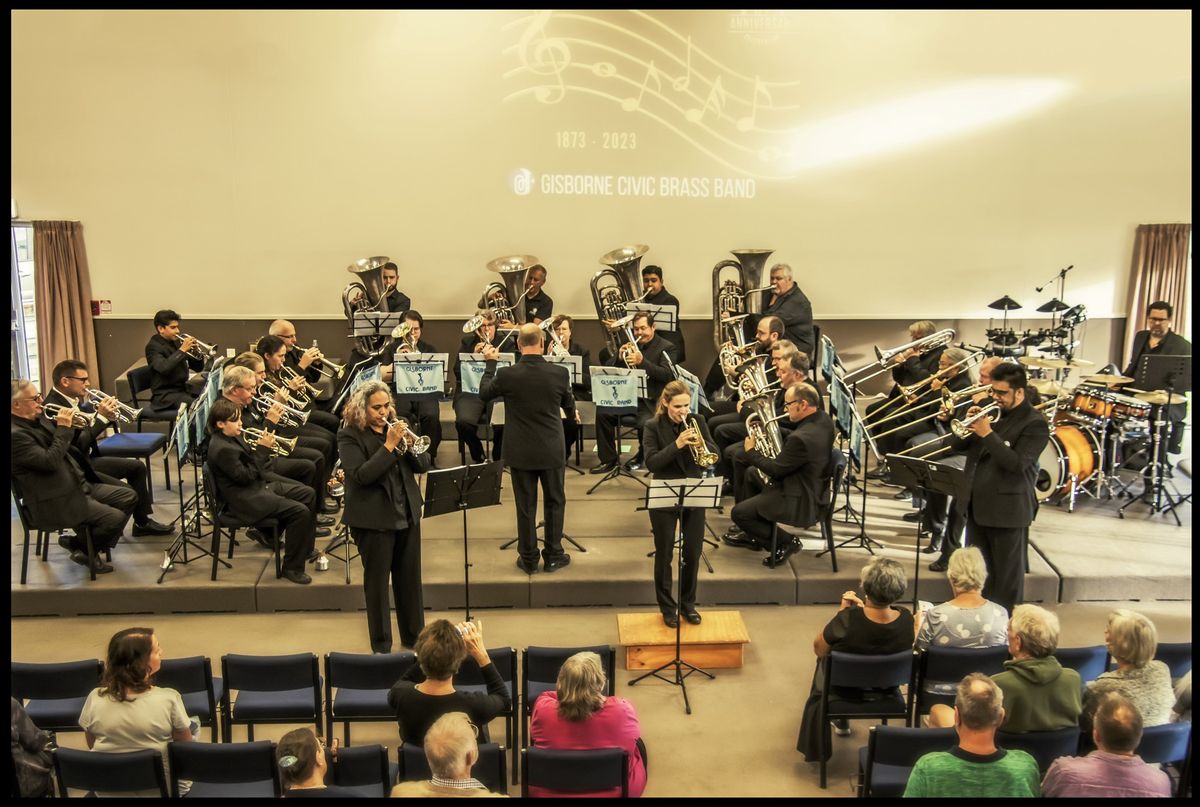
(580, 716)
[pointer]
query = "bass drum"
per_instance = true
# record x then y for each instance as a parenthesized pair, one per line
(1073, 451)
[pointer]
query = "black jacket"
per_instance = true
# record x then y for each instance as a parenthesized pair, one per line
(1003, 468)
(240, 474)
(796, 312)
(918, 368)
(1172, 345)
(582, 392)
(396, 300)
(41, 466)
(654, 361)
(664, 459)
(535, 393)
(376, 479)
(801, 471)
(675, 337)
(84, 439)
(171, 368)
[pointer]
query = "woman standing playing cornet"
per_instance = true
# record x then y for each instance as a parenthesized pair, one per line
(677, 446)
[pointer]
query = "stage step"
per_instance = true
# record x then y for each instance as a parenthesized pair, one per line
(716, 643)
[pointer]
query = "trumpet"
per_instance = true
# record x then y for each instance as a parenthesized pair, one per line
(323, 365)
(201, 350)
(700, 453)
(125, 412)
(270, 389)
(308, 392)
(291, 415)
(282, 447)
(962, 428)
(79, 419)
(420, 443)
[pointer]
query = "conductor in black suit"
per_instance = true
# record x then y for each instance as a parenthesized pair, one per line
(170, 362)
(383, 511)
(1002, 463)
(800, 474)
(669, 455)
(1160, 340)
(535, 394)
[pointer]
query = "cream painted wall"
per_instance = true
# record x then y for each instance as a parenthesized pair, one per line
(253, 155)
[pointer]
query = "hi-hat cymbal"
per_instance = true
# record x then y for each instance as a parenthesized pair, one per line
(1043, 362)
(1157, 397)
(1053, 305)
(1005, 303)
(1108, 378)
(1046, 386)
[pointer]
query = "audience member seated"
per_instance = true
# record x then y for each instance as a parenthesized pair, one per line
(31, 756)
(303, 769)
(966, 620)
(1182, 711)
(127, 712)
(426, 691)
(1040, 695)
(578, 715)
(975, 767)
(869, 626)
(1132, 641)
(451, 750)
(1113, 770)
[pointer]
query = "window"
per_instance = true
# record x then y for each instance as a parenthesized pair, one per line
(24, 316)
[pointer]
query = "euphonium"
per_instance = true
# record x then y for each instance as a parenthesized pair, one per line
(291, 415)
(700, 453)
(616, 285)
(79, 418)
(763, 425)
(420, 443)
(283, 445)
(736, 292)
(557, 348)
(962, 428)
(201, 350)
(125, 412)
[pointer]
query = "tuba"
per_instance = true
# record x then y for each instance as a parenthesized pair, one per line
(507, 298)
(738, 291)
(365, 293)
(615, 286)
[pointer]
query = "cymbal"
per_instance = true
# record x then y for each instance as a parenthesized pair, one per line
(1046, 386)
(1054, 305)
(1078, 362)
(1157, 397)
(1005, 303)
(1038, 361)
(1108, 378)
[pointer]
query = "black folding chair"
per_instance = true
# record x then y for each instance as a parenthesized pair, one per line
(271, 689)
(590, 771)
(225, 770)
(94, 772)
(55, 693)
(192, 678)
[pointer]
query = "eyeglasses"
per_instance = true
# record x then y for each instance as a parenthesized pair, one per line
(78, 378)
(789, 403)
(37, 398)
(1158, 319)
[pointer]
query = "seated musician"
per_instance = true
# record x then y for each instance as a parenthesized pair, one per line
(468, 407)
(648, 352)
(909, 367)
(303, 395)
(1159, 340)
(394, 300)
(303, 464)
(252, 493)
(767, 334)
(564, 328)
(800, 475)
(905, 420)
(421, 410)
(57, 482)
(538, 305)
(305, 361)
(787, 302)
(71, 383)
(657, 294)
(171, 361)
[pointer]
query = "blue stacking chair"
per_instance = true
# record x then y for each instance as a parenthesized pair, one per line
(575, 771)
(192, 678)
(891, 752)
(469, 678)
(363, 768)
(109, 773)
(1044, 746)
(362, 683)
(1177, 656)
(952, 664)
(1089, 662)
(225, 770)
(539, 673)
(54, 693)
(489, 770)
(271, 689)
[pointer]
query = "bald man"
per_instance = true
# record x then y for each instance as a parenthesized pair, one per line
(302, 360)
(535, 393)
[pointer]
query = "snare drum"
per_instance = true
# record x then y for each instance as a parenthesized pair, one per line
(1126, 407)
(1073, 452)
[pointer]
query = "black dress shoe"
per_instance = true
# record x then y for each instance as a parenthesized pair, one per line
(604, 467)
(692, 616)
(100, 566)
(79, 557)
(938, 565)
(741, 539)
(297, 577)
(912, 517)
(670, 620)
(66, 543)
(528, 568)
(783, 552)
(259, 538)
(931, 548)
(901, 495)
(323, 532)
(878, 473)
(152, 527)
(554, 564)
(633, 465)
(326, 521)
(312, 558)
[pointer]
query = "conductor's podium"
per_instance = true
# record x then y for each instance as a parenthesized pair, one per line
(716, 643)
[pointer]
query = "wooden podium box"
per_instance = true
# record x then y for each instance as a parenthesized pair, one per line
(716, 643)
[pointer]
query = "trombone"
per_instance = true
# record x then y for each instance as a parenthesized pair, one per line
(420, 443)
(959, 428)
(282, 446)
(942, 338)
(201, 350)
(79, 418)
(291, 415)
(125, 412)
(916, 389)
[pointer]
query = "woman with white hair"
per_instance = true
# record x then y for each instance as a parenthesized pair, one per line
(1132, 641)
(578, 715)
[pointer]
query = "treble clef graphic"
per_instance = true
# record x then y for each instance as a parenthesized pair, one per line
(546, 56)
(615, 394)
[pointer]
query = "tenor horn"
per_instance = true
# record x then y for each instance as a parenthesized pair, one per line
(739, 290)
(617, 285)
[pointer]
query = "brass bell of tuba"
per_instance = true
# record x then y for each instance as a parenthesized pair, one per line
(738, 286)
(365, 293)
(616, 285)
(507, 298)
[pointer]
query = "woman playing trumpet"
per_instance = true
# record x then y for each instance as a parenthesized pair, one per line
(677, 446)
(383, 510)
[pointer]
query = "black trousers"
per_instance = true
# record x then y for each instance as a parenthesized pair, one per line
(294, 507)
(525, 497)
(749, 515)
(606, 433)
(424, 417)
(1003, 550)
(170, 399)
(108, 511)
(395, 554)
(306, 466)
(727, 431)
(468, 412)
(664, 525)
(135, 474)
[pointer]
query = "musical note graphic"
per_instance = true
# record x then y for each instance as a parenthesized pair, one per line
(631, 104)
(715, 100)
(604, 69)
(681, 84)
(747, 123)
(547, 56)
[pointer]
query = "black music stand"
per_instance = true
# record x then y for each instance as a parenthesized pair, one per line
(617, 412)
(1174, 374)
(931, 477)
(675, 495)
(863, 540)
(463, 488)
(191, 511)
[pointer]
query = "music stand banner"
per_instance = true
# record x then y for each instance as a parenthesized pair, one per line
(618, 388)
(696, 387)
(212, 388)
(421, 374)
(472, 367)
(828, 357)
(181, 435)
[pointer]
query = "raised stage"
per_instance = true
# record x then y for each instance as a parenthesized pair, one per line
(1086, 555)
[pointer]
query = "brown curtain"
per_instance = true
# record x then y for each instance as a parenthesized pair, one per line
(1159, 272)
(63, 297)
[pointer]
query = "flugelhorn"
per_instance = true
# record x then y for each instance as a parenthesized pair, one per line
(79, 418)
(420, 443)
(700, 453)
(291, 415)
(125, 412)
(283, 445)
(201, 350)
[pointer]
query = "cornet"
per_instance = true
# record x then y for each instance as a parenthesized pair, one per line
(700, 453)
(630, 347)
(283, 446)
(125, 412)
(79, 419)
(201, 350)
(291, 415)
(323, 365)
(307, 393)
(962, 428)
(270, 389)
(420, 443)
